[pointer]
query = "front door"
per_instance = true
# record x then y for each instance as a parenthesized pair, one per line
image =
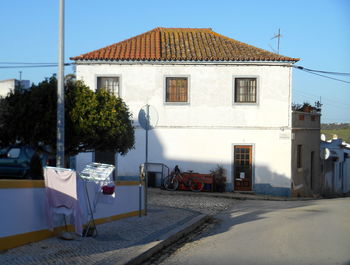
(243, 169)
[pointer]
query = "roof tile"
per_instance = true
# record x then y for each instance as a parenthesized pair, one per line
(182, 44)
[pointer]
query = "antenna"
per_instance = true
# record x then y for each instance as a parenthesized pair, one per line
(278, 36)
(20, 75)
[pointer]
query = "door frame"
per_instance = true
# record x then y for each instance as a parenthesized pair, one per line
(252, 145)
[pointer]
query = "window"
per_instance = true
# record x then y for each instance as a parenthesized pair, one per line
(176, 89)
(299, 164)
(111, 84)
(245, 90)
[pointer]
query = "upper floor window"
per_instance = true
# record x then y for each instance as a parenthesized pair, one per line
(111, 84)
(176, 89)
(245, 90)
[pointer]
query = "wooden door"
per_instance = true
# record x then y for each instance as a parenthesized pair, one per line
(243, 168)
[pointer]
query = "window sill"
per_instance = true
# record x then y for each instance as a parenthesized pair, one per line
(176, 103)
(245, 104)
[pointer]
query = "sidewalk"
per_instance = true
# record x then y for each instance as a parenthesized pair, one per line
(126, 241)
(132, 240)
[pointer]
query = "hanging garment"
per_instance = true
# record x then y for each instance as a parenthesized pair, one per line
(61, 191)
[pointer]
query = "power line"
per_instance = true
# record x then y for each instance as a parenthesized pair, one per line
(32, 66)
(312, 72)
(317, 96)
(24, 63)
(320, 71)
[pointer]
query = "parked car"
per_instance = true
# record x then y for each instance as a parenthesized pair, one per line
(21, 162)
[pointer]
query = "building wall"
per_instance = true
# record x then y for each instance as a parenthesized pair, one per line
(201, 134)
(8, 85)
(306, 132)
(336, 168)
(25, 201)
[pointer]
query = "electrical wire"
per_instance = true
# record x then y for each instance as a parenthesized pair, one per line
(311, 72)
(314, 97)
(23, 63)
(319, 71)
(33, 66)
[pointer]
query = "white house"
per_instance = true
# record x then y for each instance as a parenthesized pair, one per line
(10, 84)
(219, 102)
(335, 165)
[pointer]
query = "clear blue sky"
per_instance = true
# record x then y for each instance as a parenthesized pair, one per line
(317, 31)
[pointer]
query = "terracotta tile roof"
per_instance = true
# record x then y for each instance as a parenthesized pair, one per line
(182, 44)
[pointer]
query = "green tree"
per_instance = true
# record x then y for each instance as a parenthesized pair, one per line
(93, 120)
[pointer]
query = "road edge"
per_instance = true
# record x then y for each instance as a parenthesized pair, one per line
(165, 240)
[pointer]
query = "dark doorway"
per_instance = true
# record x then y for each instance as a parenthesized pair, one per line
(151, 179)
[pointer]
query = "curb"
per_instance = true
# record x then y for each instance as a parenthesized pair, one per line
(165, 240)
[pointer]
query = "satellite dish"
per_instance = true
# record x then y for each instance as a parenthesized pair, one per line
(325, 153)
(148, 117)
(323, 137)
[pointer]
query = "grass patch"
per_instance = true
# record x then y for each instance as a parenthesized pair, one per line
(344, 134)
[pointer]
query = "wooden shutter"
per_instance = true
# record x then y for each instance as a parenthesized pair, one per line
(182, 90)
(176, 89)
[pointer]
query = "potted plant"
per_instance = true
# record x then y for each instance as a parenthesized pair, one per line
(219, 176)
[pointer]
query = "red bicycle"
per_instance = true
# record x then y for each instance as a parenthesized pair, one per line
(172, 181)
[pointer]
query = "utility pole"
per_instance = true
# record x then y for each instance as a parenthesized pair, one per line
(60, 89)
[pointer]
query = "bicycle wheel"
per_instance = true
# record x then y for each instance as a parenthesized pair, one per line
(171, 183)
(196, 185)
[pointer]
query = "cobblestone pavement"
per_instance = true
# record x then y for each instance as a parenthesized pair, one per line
(121, 239)
(190, 200)
(115, 242)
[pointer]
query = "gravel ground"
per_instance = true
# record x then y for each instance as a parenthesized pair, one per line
(190, 200)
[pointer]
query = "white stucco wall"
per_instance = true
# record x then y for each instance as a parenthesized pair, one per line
(6, 86)
(201, 134)
(211, 93)
(28, 204)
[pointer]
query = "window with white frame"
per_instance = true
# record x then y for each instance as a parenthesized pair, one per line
(111, 84)
(245, 90)
(176, 89)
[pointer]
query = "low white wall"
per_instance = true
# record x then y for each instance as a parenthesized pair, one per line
(22, 208)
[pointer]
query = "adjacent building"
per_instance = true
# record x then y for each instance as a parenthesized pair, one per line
(11, 84)
(306, 179)
(218, 101)
(335, 166)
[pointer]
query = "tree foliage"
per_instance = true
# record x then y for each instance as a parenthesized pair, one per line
(93, 120)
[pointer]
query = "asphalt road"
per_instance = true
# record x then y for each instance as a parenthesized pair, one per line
(274, 232)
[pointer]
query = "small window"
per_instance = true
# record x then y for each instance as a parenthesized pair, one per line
(176, 89)
(111, 84)
(299, 150)
(245, 90)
